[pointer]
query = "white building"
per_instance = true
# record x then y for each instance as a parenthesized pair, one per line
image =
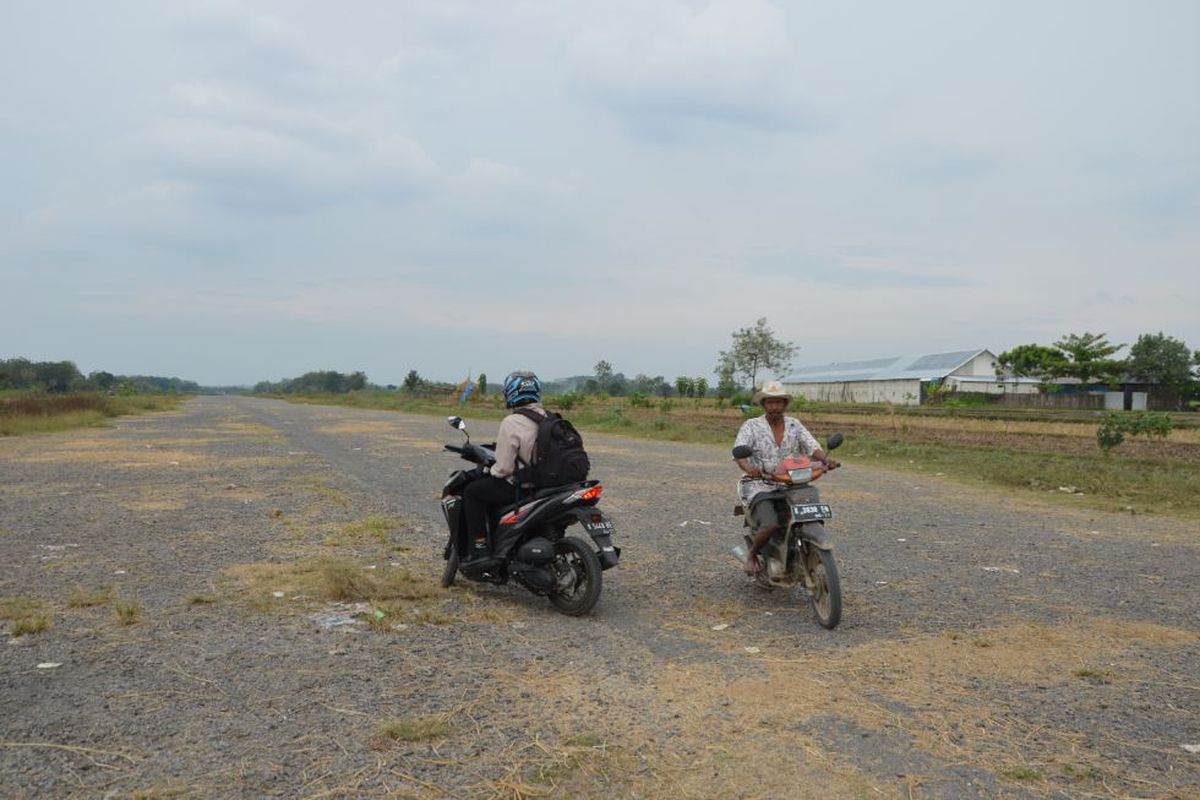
(904, 380)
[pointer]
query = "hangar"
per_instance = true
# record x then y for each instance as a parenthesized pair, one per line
(905, 380)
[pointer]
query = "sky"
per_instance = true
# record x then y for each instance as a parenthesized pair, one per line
(230, 192)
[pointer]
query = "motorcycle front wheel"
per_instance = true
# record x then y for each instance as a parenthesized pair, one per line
(451, 568)
(578, 571)
(826, 594)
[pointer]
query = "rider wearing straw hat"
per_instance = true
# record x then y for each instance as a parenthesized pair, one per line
(773, 438)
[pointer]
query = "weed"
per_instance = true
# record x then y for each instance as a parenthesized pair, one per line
(82, 598)
(1097, 676)
(26, 614)
(413, 729)
(1083, 773)
(982, 642)
(129, 612)
(1022, 773)
(426, 616)
(201, 600)
(24, 625)
(376, 528)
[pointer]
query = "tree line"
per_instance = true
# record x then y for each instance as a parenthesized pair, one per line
(1154, 359)
(60, 377)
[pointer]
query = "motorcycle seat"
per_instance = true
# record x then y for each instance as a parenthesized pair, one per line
(549, 491)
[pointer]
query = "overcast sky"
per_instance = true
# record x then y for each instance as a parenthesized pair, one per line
(230, 192)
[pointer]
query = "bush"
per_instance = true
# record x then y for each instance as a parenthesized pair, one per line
(1116, 424)
(639, 400)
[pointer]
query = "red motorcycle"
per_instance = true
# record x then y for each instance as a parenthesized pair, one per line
(799, 553)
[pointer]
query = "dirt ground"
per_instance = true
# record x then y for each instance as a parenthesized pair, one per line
(166, 637)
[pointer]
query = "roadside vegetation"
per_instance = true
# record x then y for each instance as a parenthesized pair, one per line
(1046, 452)
(40, 412)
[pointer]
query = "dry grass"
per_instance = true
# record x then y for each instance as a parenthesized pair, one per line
(89, 598)
(413, 729)
(128, 610)
(25, 615)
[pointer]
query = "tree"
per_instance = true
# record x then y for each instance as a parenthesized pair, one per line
(413, 381)
(357, 381)
(685, 387)
(1162, 360)
(701, 385)
(1033, 361)
(482, 384)
(754, 349)
(1088, 358)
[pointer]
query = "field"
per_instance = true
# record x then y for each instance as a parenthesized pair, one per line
(1040, 453)
(25, 412)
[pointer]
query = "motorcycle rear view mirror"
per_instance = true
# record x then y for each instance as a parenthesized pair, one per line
(835, 441)
(457, 422)
(743, 451)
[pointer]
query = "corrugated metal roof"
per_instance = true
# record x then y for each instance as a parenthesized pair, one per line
(923, 367)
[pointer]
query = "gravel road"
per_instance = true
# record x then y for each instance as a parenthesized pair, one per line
(990, 646)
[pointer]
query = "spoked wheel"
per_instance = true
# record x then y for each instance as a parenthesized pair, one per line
(578, 571)
(826, 593)
(451, 568)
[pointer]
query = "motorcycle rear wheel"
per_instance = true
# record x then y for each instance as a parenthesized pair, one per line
(826, 594)
(451, 568)
(579, 559)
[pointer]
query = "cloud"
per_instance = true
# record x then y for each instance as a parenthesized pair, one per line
(727, 62)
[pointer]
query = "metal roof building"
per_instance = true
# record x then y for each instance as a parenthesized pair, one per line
(903, 380)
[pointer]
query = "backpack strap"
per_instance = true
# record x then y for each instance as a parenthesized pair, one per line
(537, 419)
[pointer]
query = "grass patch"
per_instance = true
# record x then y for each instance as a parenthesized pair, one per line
(46, 413)
(335, 580)
(25, 615)
(1023, 773)
(83, 598)
(413, 729)
(370, 529)
(201, 600)
(128, 612)
(1096, 676)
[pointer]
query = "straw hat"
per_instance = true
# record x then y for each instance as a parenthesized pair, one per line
(772, 389)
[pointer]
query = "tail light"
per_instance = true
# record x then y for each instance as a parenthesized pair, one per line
(589, 495)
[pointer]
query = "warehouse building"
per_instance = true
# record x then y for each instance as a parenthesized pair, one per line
(905, 380)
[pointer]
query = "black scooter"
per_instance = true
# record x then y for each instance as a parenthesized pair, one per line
(530, 544)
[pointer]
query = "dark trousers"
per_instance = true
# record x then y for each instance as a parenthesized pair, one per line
(481, 499)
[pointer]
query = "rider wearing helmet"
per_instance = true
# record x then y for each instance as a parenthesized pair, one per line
(773, 438)
(515, 443)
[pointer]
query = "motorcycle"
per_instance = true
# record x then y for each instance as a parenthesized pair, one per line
(799, 553)
(530, 541)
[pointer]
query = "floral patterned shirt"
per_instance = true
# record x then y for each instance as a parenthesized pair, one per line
(757, 433)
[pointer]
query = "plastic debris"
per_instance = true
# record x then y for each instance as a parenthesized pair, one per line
(752, 650)
(118, 572)
(276, 594)
(1002, 569)
(881, 583)
(1191, 748)
(902, 540)
(49, 665)
(720, 626)
(400, 626)
(687, 522)
(379, 614)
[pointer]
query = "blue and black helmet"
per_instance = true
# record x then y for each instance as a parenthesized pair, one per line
(521, 388)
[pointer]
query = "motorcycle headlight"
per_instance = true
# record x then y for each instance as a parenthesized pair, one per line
(800, 475)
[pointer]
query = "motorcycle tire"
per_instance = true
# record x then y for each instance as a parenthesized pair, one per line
(826, 594)
(451, 568)
(577, 556)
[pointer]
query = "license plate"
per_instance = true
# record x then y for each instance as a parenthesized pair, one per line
(807, 512)
(603, 526)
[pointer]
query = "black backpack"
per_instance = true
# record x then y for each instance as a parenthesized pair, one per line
(559, 456)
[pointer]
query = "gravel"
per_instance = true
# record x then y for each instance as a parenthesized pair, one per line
(990, 646)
